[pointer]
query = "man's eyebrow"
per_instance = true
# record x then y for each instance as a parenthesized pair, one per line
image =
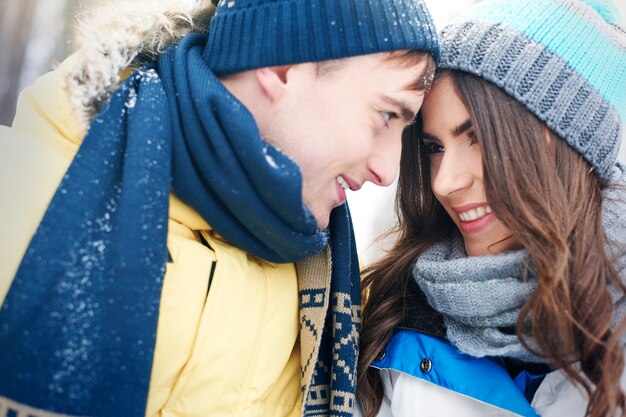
(405, 112)
(429, 137)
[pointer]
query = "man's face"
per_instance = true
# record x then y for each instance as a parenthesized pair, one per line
(343, 126)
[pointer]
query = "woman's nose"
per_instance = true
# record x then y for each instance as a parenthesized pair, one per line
(452, 174)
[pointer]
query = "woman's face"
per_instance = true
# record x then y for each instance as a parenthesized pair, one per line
(456, 168)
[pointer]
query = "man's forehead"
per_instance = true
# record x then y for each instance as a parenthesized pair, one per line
(424, 64)
(393, 60)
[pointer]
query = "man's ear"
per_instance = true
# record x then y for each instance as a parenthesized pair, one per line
(273, 80)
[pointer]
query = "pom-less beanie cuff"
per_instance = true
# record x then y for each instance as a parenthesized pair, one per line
(559, 58)
(247, 34)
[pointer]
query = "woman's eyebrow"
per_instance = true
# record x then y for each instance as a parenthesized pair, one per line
(457, 131)
(462, 128)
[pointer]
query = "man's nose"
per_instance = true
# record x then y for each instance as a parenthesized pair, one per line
(384, 162)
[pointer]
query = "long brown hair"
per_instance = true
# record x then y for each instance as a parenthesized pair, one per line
(550, 199)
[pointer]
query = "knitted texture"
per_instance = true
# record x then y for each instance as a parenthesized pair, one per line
(78, 326)
(246, 34)
(331, 321)
(479, 296)
(314, 292)
(565, 60)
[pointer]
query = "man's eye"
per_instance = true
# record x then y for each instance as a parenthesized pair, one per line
(387, 116)
(432, 148)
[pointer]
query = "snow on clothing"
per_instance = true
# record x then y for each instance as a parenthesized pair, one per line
(477, 297)
(228, 340)
(107, 248)
(129, 34)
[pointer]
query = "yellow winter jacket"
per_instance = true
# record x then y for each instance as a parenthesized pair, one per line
(228, 338)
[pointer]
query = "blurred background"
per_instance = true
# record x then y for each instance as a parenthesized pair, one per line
(35, 35)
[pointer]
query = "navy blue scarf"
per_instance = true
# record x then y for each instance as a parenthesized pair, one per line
(78, 326)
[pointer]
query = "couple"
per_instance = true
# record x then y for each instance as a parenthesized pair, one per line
(191, 253)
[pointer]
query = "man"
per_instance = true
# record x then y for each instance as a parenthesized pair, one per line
(246, 301)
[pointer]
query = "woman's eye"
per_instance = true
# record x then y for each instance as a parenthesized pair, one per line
(387, 116)
(473, 138)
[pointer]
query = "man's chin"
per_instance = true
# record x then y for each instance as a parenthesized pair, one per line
(323, 224)
(320, 214)
(322, 220)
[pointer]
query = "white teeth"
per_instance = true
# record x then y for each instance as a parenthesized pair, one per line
(473, 214)
(343, 183)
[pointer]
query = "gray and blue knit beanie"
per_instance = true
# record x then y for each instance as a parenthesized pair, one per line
(565, 60)
(247, 34)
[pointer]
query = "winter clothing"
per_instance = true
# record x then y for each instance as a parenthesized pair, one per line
(228, 339)
(106, 189)
(426, 375)
(562, 59)
(238, 352)
(295, 31)
(557, 396)
(479, 297)
(104, 228)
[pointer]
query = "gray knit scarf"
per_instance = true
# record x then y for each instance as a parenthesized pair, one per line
(480, 297)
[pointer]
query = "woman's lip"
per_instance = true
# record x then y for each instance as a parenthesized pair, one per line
(461, 209)
(477, 225)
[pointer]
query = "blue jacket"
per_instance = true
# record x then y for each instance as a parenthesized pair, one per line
(426, 375)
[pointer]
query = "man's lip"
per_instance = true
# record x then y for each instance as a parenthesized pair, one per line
(466, 207)
(354, 186)
(341, 192)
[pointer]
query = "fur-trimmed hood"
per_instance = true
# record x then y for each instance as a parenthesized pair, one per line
(121, 34)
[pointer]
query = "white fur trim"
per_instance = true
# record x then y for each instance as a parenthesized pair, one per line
(118, 34)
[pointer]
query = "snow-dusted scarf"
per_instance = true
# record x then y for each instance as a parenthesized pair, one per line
(480, 297)
(78, 325)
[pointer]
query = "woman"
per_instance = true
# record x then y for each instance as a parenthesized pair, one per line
(504, 293)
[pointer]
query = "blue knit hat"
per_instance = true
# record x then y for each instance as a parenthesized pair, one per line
(247, 34)
(565, 60)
